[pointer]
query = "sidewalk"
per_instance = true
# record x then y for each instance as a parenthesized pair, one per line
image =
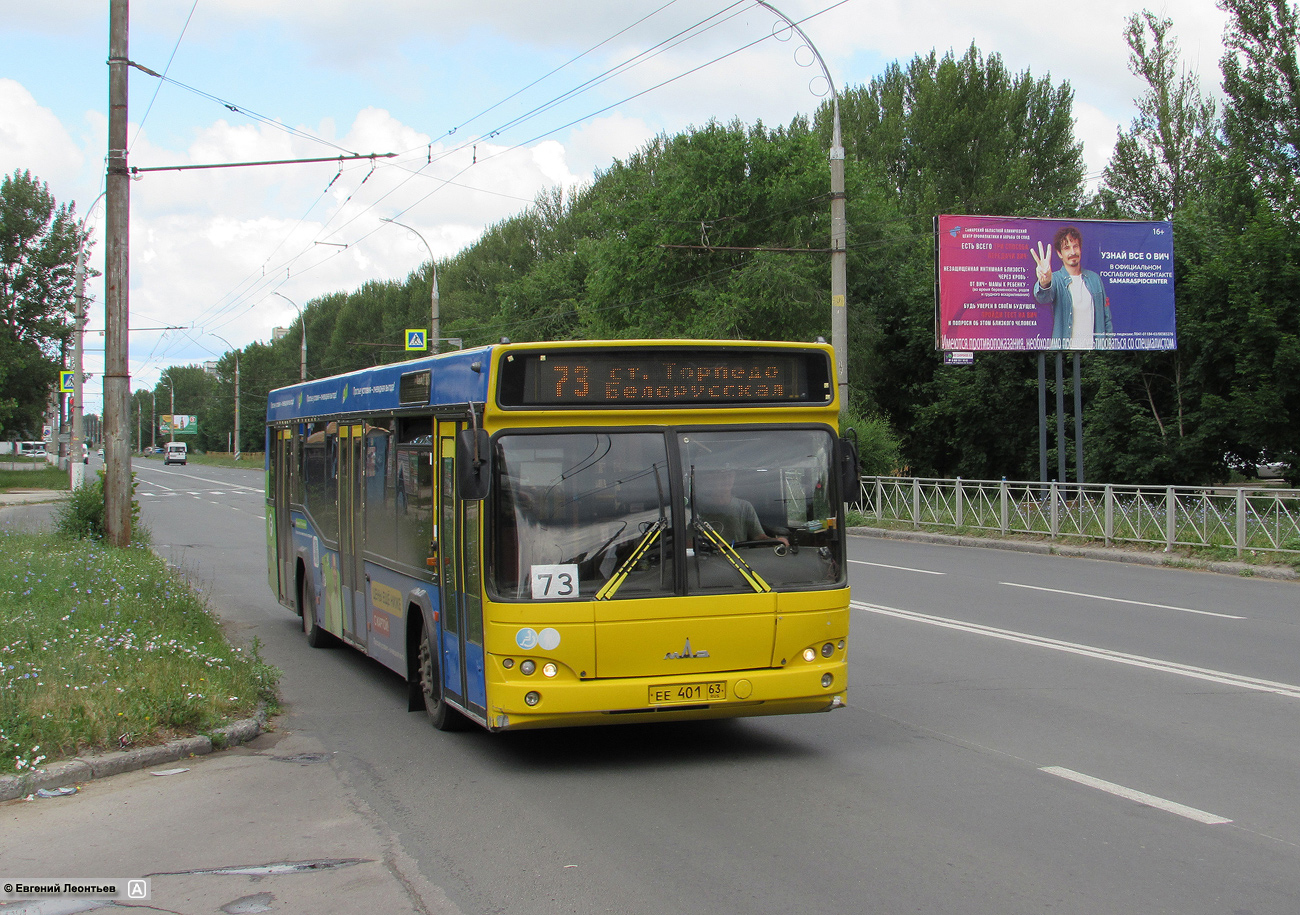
(268, 826)
(1109, 554)
(32, 496)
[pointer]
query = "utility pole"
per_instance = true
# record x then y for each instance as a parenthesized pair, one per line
(236, 352)
(76, 469)
(117, 378)
(839, 235)
(302, 363)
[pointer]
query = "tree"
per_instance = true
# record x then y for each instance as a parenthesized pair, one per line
(945, 135)
(1261, 121)
(193, 391)
(963, 135)
(1164, 155)
(38, 251)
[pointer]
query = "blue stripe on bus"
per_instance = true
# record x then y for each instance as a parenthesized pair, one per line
(453, 381)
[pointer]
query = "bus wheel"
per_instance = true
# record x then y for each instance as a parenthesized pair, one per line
(316, 636)
(441, 715)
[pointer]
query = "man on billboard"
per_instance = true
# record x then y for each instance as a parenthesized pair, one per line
(1080, 308)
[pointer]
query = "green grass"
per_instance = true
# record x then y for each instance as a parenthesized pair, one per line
(44, 478)
(102, 648)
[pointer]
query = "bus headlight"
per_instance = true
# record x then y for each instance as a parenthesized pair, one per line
(827, 650)
(827, 680)
(549, 669)
(809, 655)
(532, 698)
(528, 667)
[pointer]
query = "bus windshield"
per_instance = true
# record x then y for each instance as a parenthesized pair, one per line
(599, 514)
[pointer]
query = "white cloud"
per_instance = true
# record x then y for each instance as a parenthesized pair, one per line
(33, 139)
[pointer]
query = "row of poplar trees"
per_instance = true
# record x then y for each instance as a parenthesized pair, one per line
(642, 251)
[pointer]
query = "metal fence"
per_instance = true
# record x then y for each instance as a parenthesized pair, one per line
(1242, 519)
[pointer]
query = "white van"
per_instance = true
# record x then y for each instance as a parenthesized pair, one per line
(176, 453)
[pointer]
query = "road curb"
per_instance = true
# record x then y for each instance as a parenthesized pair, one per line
(88, 768)
(1165, 560)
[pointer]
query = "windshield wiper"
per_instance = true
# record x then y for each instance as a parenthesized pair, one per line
(751, 577)
(622, 572)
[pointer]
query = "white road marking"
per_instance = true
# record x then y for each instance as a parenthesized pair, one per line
(191, 476)
(882, 565)
(1149, 800)
(1121, 600)
(1286, 690)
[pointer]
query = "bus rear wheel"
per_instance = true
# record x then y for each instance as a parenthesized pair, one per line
(316, 636)
(441, 715)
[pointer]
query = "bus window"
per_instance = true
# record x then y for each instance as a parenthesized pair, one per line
(381, 491)
(768, 495)
(320, 479)
(413, 491)
(581, 504)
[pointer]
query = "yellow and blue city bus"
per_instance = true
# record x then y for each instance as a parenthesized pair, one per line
(551, 534)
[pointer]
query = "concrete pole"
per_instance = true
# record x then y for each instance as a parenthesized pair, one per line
(77, 472)
(117, 378)
(302, 365)
(236, 352)
(839, 263)
(839, 235)
(236, 404)
(76, 469)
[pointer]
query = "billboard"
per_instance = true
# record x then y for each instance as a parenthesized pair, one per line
(178, 424)
(1006, 283)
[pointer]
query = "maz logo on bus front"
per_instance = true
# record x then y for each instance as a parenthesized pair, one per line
(685, 653)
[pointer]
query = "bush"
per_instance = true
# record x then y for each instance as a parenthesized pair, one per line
(878, 445)
(82, 516)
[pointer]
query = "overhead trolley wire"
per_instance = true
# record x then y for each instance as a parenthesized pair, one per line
(680, 37)
(139, 128)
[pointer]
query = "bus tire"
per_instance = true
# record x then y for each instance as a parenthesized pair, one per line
(316, 636)
(441, 715)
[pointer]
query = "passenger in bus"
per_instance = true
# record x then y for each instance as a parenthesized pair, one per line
(733, 518)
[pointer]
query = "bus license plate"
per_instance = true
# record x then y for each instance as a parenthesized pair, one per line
(688, 692)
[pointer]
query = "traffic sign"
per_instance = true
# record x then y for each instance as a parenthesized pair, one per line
(417, 339)
(67, 382)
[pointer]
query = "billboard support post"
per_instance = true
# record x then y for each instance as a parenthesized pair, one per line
(1042, 418)
(1060, 420)
(1078, 425)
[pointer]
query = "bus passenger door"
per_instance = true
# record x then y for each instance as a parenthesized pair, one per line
(461, 582)
(351, 565)
(282, 486)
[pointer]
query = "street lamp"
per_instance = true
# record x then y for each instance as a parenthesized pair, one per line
(227, 342)
(839, 241)
(433, 266)
(302, 365)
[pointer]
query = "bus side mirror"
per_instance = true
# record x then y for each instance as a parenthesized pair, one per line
(850, 469)
(473, 464)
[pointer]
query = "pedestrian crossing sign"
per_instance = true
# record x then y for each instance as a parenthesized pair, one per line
(417, 339)
(66, 382)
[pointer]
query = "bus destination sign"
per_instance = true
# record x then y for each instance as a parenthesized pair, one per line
(663, 377)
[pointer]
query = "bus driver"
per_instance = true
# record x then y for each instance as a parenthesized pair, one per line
(733, 518)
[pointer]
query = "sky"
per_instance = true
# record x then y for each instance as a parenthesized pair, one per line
(485, 104)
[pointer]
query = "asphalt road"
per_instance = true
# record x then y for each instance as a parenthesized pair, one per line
(1025, 734)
